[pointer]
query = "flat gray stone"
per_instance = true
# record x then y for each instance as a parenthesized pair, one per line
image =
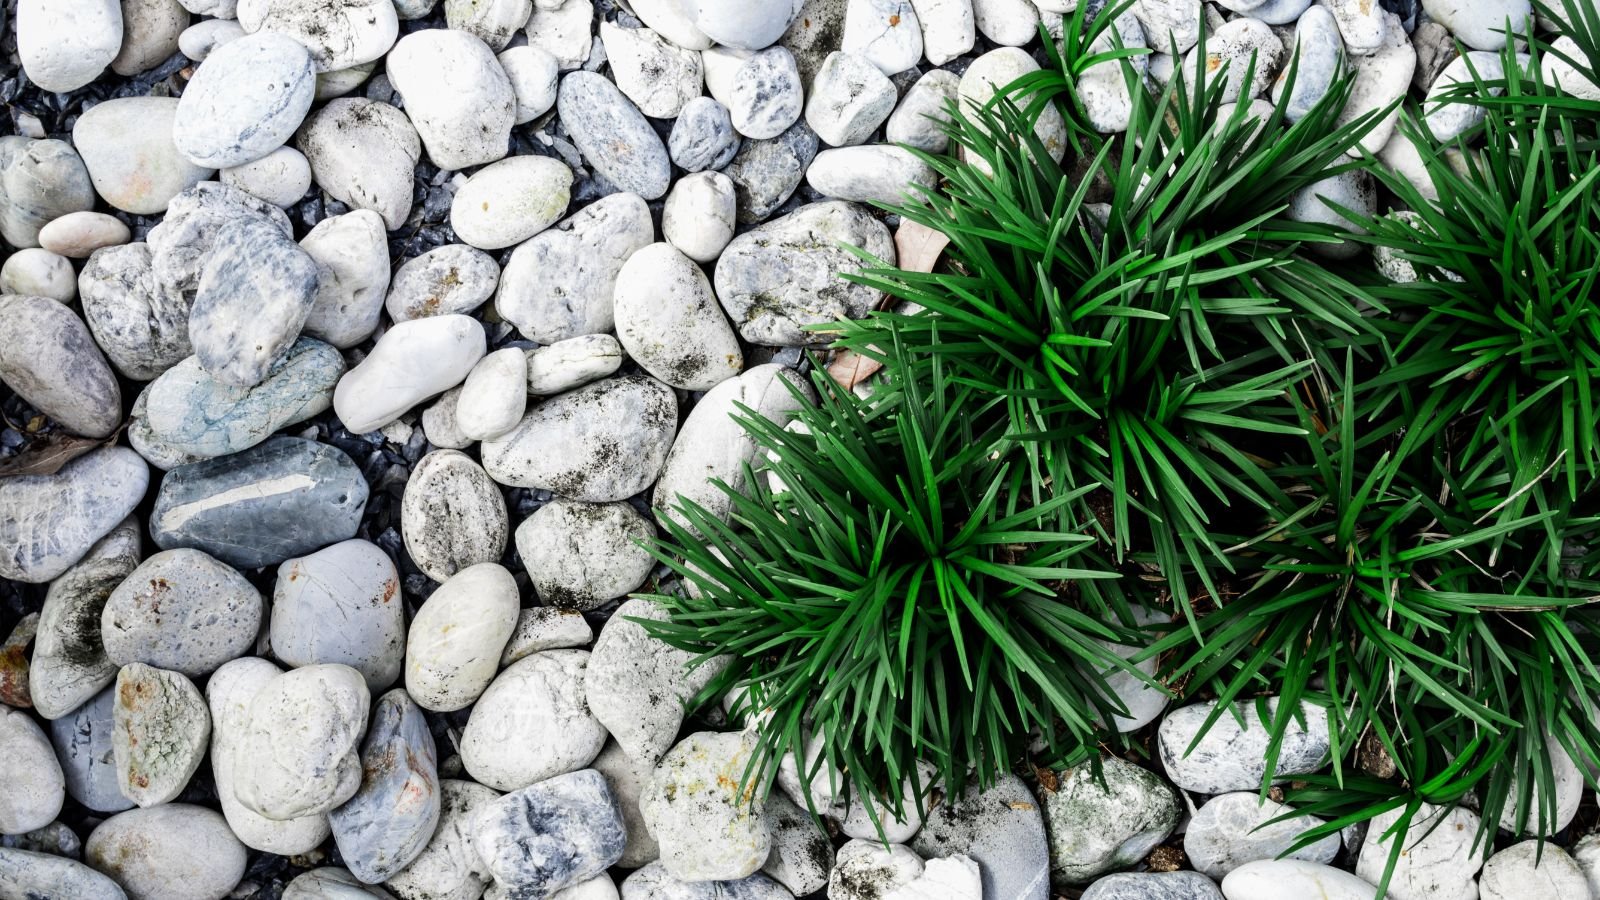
(24, 873)
(159, 730)
(703, 136)
(329, 883)
(35, 784)
(627, 778)
(355, 584)
(1002, 829)
(1094, 829)
(83, 744)
(572, 363)
(282, 498)
(452, 514)
(49, 522)
(49, 358)
(142, 326)
(1232, 757)
(551, 835)
(766, 173)
(389, 821)
(181, 610)
(254, 294)
(614, 135)
(69, 663)
(1153, 886)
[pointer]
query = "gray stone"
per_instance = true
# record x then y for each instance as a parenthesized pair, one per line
(1242, 46)
(1231, 830)
(448, 868)
(766, 96)
(35, 784)
(637, 686)
(872, 870)
(454, 278)
(49, 358)
(54, 839)
(532, 723)
(198, 40)
(192, 412)
(456, 94)
(196, 222)
(627, 778)
(744, 24)
(127, 146)
(1354, 190)
(1321, 56)
(1586, 853)
(870, 818)
(551, 835)
(654, 882)
(491, 21)
(1143, 701)
(1231, 756)
(452, 515)
(363, 153)
(386, 825)
(802, 855)
(602, 442)
(1153, 886)
(668, 320)
(173, 852)
(1448, 119)
(413, 361)
(283, 498)
(572, 363)
(658, 76)
(766, 173)
(703, 136)
(40, 181)
(560, 283)
(546, 628)
(614, 135)
(872, 174)
(1002, 829)
(698, 807)
(331, 884)
(296, 755)
(65, 45)
(140, 324)
(783, 276)
(918, 120)
(24, 873)
(1094, 829)
(244, 101)
(849, 99)
(69, 663)
(1380, 80)
(457, 637)
(584, 555)
(159, 729)
(83, 745)
(181, 610)
(49, 522)
(339, 36)
(254, 294)
(355, 584)
(353, 253)
(439, 422)
(143, 440)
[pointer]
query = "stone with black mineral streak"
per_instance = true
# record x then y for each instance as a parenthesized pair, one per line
(551, 835)
(452, 515)
(83, 744)
(69, 663)
(654, 882)
(584, 555)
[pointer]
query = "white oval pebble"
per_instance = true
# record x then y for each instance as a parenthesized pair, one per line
(78, 235)
(65, 44)
(39, 273)
(699, 215)
(338, 35)
(1275, 879)
(35, 784)
(494, 396)
(456, 639)
(669, 321)
(456, 95)
(533, 73)
(281, 177)
(244, 101)
(572, 363)
(199, 39)
(452, 516)
(532, 723)
(172, 852)
(412, 362)
(510, 201)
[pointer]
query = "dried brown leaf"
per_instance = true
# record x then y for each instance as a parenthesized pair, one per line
(47, 456)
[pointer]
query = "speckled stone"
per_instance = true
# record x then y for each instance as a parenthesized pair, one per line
(1232, 757)
(507, 202)
(657, 75)
(565, 31)
(197, 220)
(49, 358)
(924, 108)
(69, 663)
(297, 753)
(454, 278)
(849, 99)
(532, 723)
(1531, 871)
(546, 628)
(142, 326)
(83, 744)
(448, 867)
(776, 279)
(457, 637)
(1094, 829)
(339, 36)
(802, 855)
(614, 135)
(700, 215)
(627, 778)
(363, 152)
(329, 883)
(1272, 879)
(1153, 886)
(654, 882)
(703, 136)
(159, 729)
(170, 852)
(872, 870)
(255, 291)
(181, 610)
(572, 363)
(50, 522)
(355, 584)
(282, 498)
(24, 873)
(637, 685)
(1002, 829)
(386, 825)
(452, 515)
(192, 412)
(551, 835)
(491, 21)
(1231, 830)
(668, 320)
(456, 95)
(701, 814)
(584, 555)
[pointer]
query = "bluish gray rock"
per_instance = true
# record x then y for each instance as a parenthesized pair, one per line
(35, 785)
(551, 835)
(703, 136)
(193, 412)
(24, 873)
(1232, 755)
(196, 222)
(802, 854)
(389, 821)
(766, 173)
(355, 584)
(449, 868)
(254, 294)
(49, 522)
(49, 358)
(181, 610)
(1095, 828)
(83, 744)
(654, 882)
(244, 101)
(40, 181)
(1231, 830)
(1001, 829)
(142, 326)
(1321, 55)
(614, 135)
(69, 658)
(777, 279)
(1153, 886)
(283, 498)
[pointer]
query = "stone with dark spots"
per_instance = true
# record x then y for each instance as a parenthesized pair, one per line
(802, 855)
(254, 294)
(452, 515)
(584, 555)
(69, 659)
(50, 522)
(1232, 754)
(614, 135)
(282, 498)
(48, 356)
(181, 610)
(159, 729)
(703, 136)
(1002, 829)
(1153, 886)
(244, 101)
(363, 153)
(24, 873)
(1097, 826)
(602, 442)
(389, 821)
(698, 805)
(551, 835)
(142, 326)
(82, 741)
(654, 882)
(766, 173)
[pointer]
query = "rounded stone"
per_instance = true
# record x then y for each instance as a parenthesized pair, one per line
(453, 515)
(49, 358)
(494, 396)
(867, 869)
(389, 821)
(50, 522)
(78, 235)
(39, 273)
(150, 31)
(355, 584)
(24, 873)
(456, 94)
(613, 135)
(69, 664)
(627, 778)
(491, 21)
(532, 723)
(1153, 886)
(696, 807)
(1481, 24)
(510, 201)
(703, 136)
(670, 323)
(886, 33)
(244, 101)
(700, 214)
(872, 174)
(1001, 828)
(454, 278)
(363, 153)
(159, 729)
(1096, 827)
(255, 290)
(40, 180)
(766, 173)
(743, 24)
(564, 30)
(1231, 756)
(919, 119)
(328, 883)
(296, 754)
(533, 73)
(552, 835)
(584, 555)
(948, 28)
(338, 36)
(1000, 67)
(654, 882)
(572, 363)
(65, 44)
(638, 686)
(448, 867)
(1232, 829)
(281, 178)
(453, 647)
(849, 99)
(171, 852)
(352, 253)
(412, 362)
(1272, 879)
(181, 610)
(198, 40)
(658, 76)
(140, 323)
(35, 785)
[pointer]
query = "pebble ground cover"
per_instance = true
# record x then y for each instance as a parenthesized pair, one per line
(776, 449)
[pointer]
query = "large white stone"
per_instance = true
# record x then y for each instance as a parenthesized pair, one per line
(244, 101)
(65, 44)
(412, 362)
(1276, 879)
(339, 35)
(297, 751)
(532, 723)
(510, 201)
(353, 251)
(456, 94)
(127, 146)
(669, 321)
(35, 785)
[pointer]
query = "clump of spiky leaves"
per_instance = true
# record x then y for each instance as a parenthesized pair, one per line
(1140, 312)
(895, 590)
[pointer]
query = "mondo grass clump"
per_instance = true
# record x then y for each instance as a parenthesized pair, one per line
(1136, 382)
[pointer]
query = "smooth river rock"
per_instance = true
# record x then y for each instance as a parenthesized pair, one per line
(24, 873)
(614, 135)
(389, 821)
(49, 358)
(412, 362)
(126, 144)
(296, 755)
(698, 808)
(160, 726)
(50, 522)
(181, 610)
(244, 101)
(35, 785)
(363, 153)
(1095, 828)
(1232, 757)
(455, 641)
(65, 44)
(669, 322)
(532, 723)
(354, 583)
(584, 555)
(454, 278)
(452, 515)
(1002, 829)
(551, 835)
(171, 852)
(456, 94)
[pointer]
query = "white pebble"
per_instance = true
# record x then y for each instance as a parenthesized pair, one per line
(533, 74)
(698, 217)
(281, 177)
(78, 235)
(494, 396)
(39, 273)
